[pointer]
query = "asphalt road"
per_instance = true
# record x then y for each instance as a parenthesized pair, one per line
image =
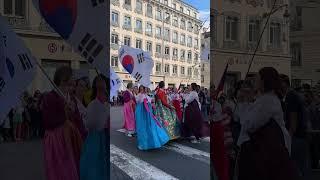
(177, 160)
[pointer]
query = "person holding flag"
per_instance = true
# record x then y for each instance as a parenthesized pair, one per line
(150, 131)
(129, 110)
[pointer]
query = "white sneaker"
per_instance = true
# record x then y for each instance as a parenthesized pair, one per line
(195, 141)
(129, 135)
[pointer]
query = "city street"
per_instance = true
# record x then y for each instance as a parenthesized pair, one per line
(177, 160)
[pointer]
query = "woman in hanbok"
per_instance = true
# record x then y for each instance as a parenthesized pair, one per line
(62, 141)
(167, 113)
(129, 110)
(151, 134)
(93, 163)
(264, 140)
(176, 102)
(193, 118)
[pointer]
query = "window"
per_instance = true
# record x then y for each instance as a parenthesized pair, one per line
(158, 48)
(175, 20)
(189, 56)
(149, 28)
(114, 61)
(254, 30)
(183, 23)
(127, 21)
(158, 31)
(196, 57)
(149, 46)
(127, 41)
(296, 54)
(139, 43)
(149, 10)
(231, 29)
(182, 54)
(189, 71)
(158, 67)
(202, 78)
(167, 51)
(196, 29)
(115, 17)
(166, 2)
(196, 72)
(14, 7)
(167, 17)
(175, 52)
(167, 34)
(174, 69)
(167, 68)
(188, 12)
(174, 5)
(139, 25)
(183, 39)
(114, 38)
(274, 34)
(189, 41)
(139, 6)
(127, 2)
(195, 15)
(196, 42)
(182, 70)
(159, 15)
(175, 36)
(181, 9)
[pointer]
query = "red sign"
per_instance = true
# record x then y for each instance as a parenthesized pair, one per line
(52, 48)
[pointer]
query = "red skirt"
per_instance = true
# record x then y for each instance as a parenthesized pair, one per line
(177, 106)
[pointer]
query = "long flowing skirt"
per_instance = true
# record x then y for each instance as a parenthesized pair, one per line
(60, 162)
(150, 134)
(129, 118)
(176, 104)
(93, 162)
(169, 120)
(193, 121)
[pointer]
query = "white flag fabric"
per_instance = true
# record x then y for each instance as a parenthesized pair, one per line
(205, 54)
(115, 83)
(138, 63)
(17, 68)
(83, 24)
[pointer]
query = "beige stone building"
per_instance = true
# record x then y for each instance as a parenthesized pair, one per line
(236, 27)
(304, 42)
(168, 29)
(205, 59)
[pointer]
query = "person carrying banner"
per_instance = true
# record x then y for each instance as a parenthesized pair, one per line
(129, 110)
(62, 141)
(93, 165)
(151, 134)
(167, 113)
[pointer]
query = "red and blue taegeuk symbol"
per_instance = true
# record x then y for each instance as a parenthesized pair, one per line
(128, 63)
(61, 15)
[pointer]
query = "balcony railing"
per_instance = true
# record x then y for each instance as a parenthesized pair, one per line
(115, 24)
(175, 41)
(127, 27)
(115, 2)
(174, 57)
(182, 26)
(183, 43)
(148, 33)
(139, 11)
(158, 55)
(158, 36)
(18, 23)
(149, 14)
(138, 30)
(127, 6)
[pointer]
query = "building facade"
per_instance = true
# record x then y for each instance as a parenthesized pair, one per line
(168, 29)
(205, 59)
(304, 42)
(236, 28)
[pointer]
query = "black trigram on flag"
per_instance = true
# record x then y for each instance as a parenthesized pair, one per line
(118, 81)
(137, 76)
(2, 84)
(113, 83)
(89, 48)
(96, 2)
(140, 58)
(4, 40)
(25, 61)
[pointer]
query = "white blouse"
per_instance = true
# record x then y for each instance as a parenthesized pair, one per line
(254, 116)
(193, 95)
(97, 115)
(141, 97)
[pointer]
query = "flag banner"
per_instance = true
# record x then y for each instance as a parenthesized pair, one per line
(115, 83)
(138, 63)
(17, 68)
(83, 24)
(205, 54)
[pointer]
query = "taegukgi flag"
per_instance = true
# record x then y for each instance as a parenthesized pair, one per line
(138, 63)
(115, 83)
(83, 24)
(17, 68)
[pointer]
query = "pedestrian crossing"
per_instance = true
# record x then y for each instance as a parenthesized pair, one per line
(138, 168)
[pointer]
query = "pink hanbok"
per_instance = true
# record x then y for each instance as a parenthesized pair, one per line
(129, 112)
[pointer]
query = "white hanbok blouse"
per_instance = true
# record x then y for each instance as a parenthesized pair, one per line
(193, 95)
(97, 115)
(141, 97)
(255, 115)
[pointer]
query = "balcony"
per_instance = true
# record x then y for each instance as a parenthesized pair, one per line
(158, 55)
(127, 27)
(183, 43)
(231, 44)
(138, 30)
(190, 29)
(166, 38)
(159, 18)
(196, 46)
(158, 73)
(166, 56)
(148, 33)
(114, 24)
(127, 7)
(115, 2)
(189, 61)
(189, 44)
(18, 22)
(114, 46)
(138, 11)
(158, 36)
(175, 57)
(175, 23)
(183, 26)
(175, 41)
(182, 59)
(149, 14)
(196, 31)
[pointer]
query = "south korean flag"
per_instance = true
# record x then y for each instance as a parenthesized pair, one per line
(138, 63)
(115, 83)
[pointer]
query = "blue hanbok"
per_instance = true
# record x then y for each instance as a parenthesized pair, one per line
(150, 132)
